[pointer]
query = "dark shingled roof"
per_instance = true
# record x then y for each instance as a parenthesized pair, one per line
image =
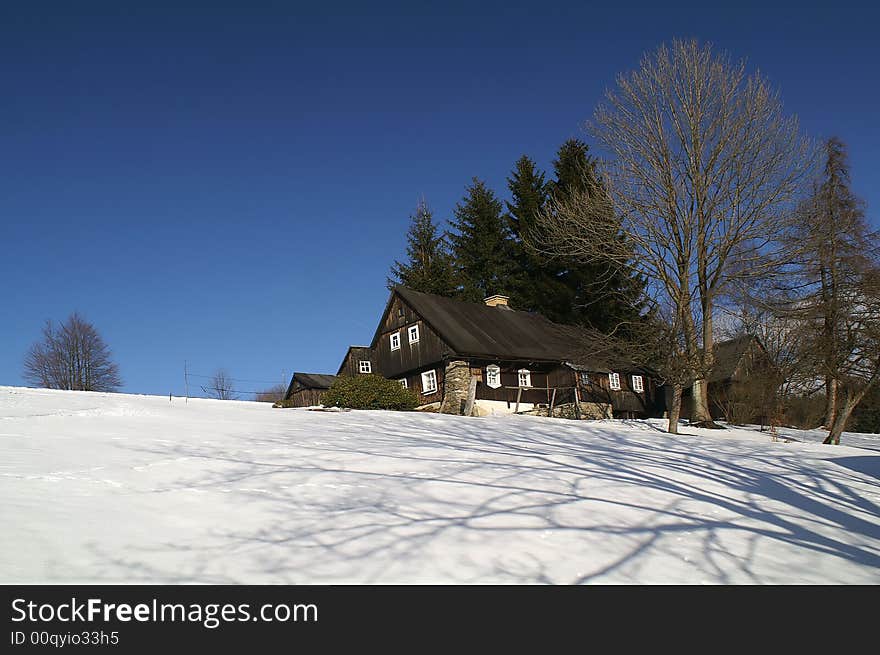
(313, 380)
(728, 355)
(477, 330)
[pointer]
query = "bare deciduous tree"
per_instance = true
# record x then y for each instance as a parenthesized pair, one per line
(654, 343)
(704, 170)
(272, 394)
(71, 356)
(835, 290)
(221, 386)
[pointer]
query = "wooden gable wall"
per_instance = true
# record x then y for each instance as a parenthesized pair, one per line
(429, 352)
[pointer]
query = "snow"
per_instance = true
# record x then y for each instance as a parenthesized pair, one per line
(115, 488)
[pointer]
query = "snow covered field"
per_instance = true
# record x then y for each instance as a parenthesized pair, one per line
(123, 488)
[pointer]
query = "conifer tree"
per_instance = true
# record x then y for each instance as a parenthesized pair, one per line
(536, 285)
(574, 169)
(528, 192)
(481, 247)
(601, 295)
(429, 268)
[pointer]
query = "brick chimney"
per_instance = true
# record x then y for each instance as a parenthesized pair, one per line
(497, 301)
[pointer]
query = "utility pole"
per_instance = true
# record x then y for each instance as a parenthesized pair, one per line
(185, 384)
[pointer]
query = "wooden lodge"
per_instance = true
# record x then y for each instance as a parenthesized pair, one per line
(307, 389)
(480, 358)
(741, 383)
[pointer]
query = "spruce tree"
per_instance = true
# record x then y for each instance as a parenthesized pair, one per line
(601, 295)
(482, 248)
(536, 286)
(574, 169)
(528, 193)
(429, 268)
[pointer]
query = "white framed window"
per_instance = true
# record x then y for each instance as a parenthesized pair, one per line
(395, 341)
(525, 377)
(429, 381)
(493, 376)
(614, 381)
(585, 379)
(403, 383)
(364, 366)
(413, 332)
(638, 383)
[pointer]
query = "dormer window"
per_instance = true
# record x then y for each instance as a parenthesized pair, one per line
(413, 334)
(395, 341)
(525, 377)
(493, 376)
(638, 383)
(364, 366)
(614, 381)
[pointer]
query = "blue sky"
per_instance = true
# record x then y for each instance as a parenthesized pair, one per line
(228, 183)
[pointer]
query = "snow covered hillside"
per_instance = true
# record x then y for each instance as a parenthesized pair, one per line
(123, 488)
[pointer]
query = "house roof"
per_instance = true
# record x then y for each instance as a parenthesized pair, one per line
(314, 380)
(477, 330)
(728, 355)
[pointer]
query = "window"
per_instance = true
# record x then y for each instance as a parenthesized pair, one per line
(638, 383)
(364, 366)
(493, 376)
(400, 312)
(614, 381)
(429, 382)
(414, 334)
(403, 383)
(525, 377)
(585, 379)
(395, 341)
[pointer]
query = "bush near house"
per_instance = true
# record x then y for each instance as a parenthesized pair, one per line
(369, 392)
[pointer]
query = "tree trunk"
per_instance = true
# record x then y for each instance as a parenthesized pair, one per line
(850, 402)
(832, 393)
(675, 409)
(700, 387)
(840, 418)
(700, 413)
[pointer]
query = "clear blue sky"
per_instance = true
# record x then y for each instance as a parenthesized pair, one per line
(228, 183)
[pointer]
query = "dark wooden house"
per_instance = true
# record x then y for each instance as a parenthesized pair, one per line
(358, 360)
(307, 389)
(741, 384)
(479, 358)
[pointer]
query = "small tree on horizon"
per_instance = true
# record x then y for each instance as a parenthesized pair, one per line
(71, 356)
(272, 394)
(221, 386)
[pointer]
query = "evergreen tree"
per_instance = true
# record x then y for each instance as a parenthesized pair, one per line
(601, 295)
(528, 193)
(574, 169)
(536, 286)
(482, 248)
(429, 268)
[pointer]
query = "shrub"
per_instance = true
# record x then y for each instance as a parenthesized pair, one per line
(369, 392)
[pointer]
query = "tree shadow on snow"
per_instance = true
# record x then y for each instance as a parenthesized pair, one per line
(440, 499)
